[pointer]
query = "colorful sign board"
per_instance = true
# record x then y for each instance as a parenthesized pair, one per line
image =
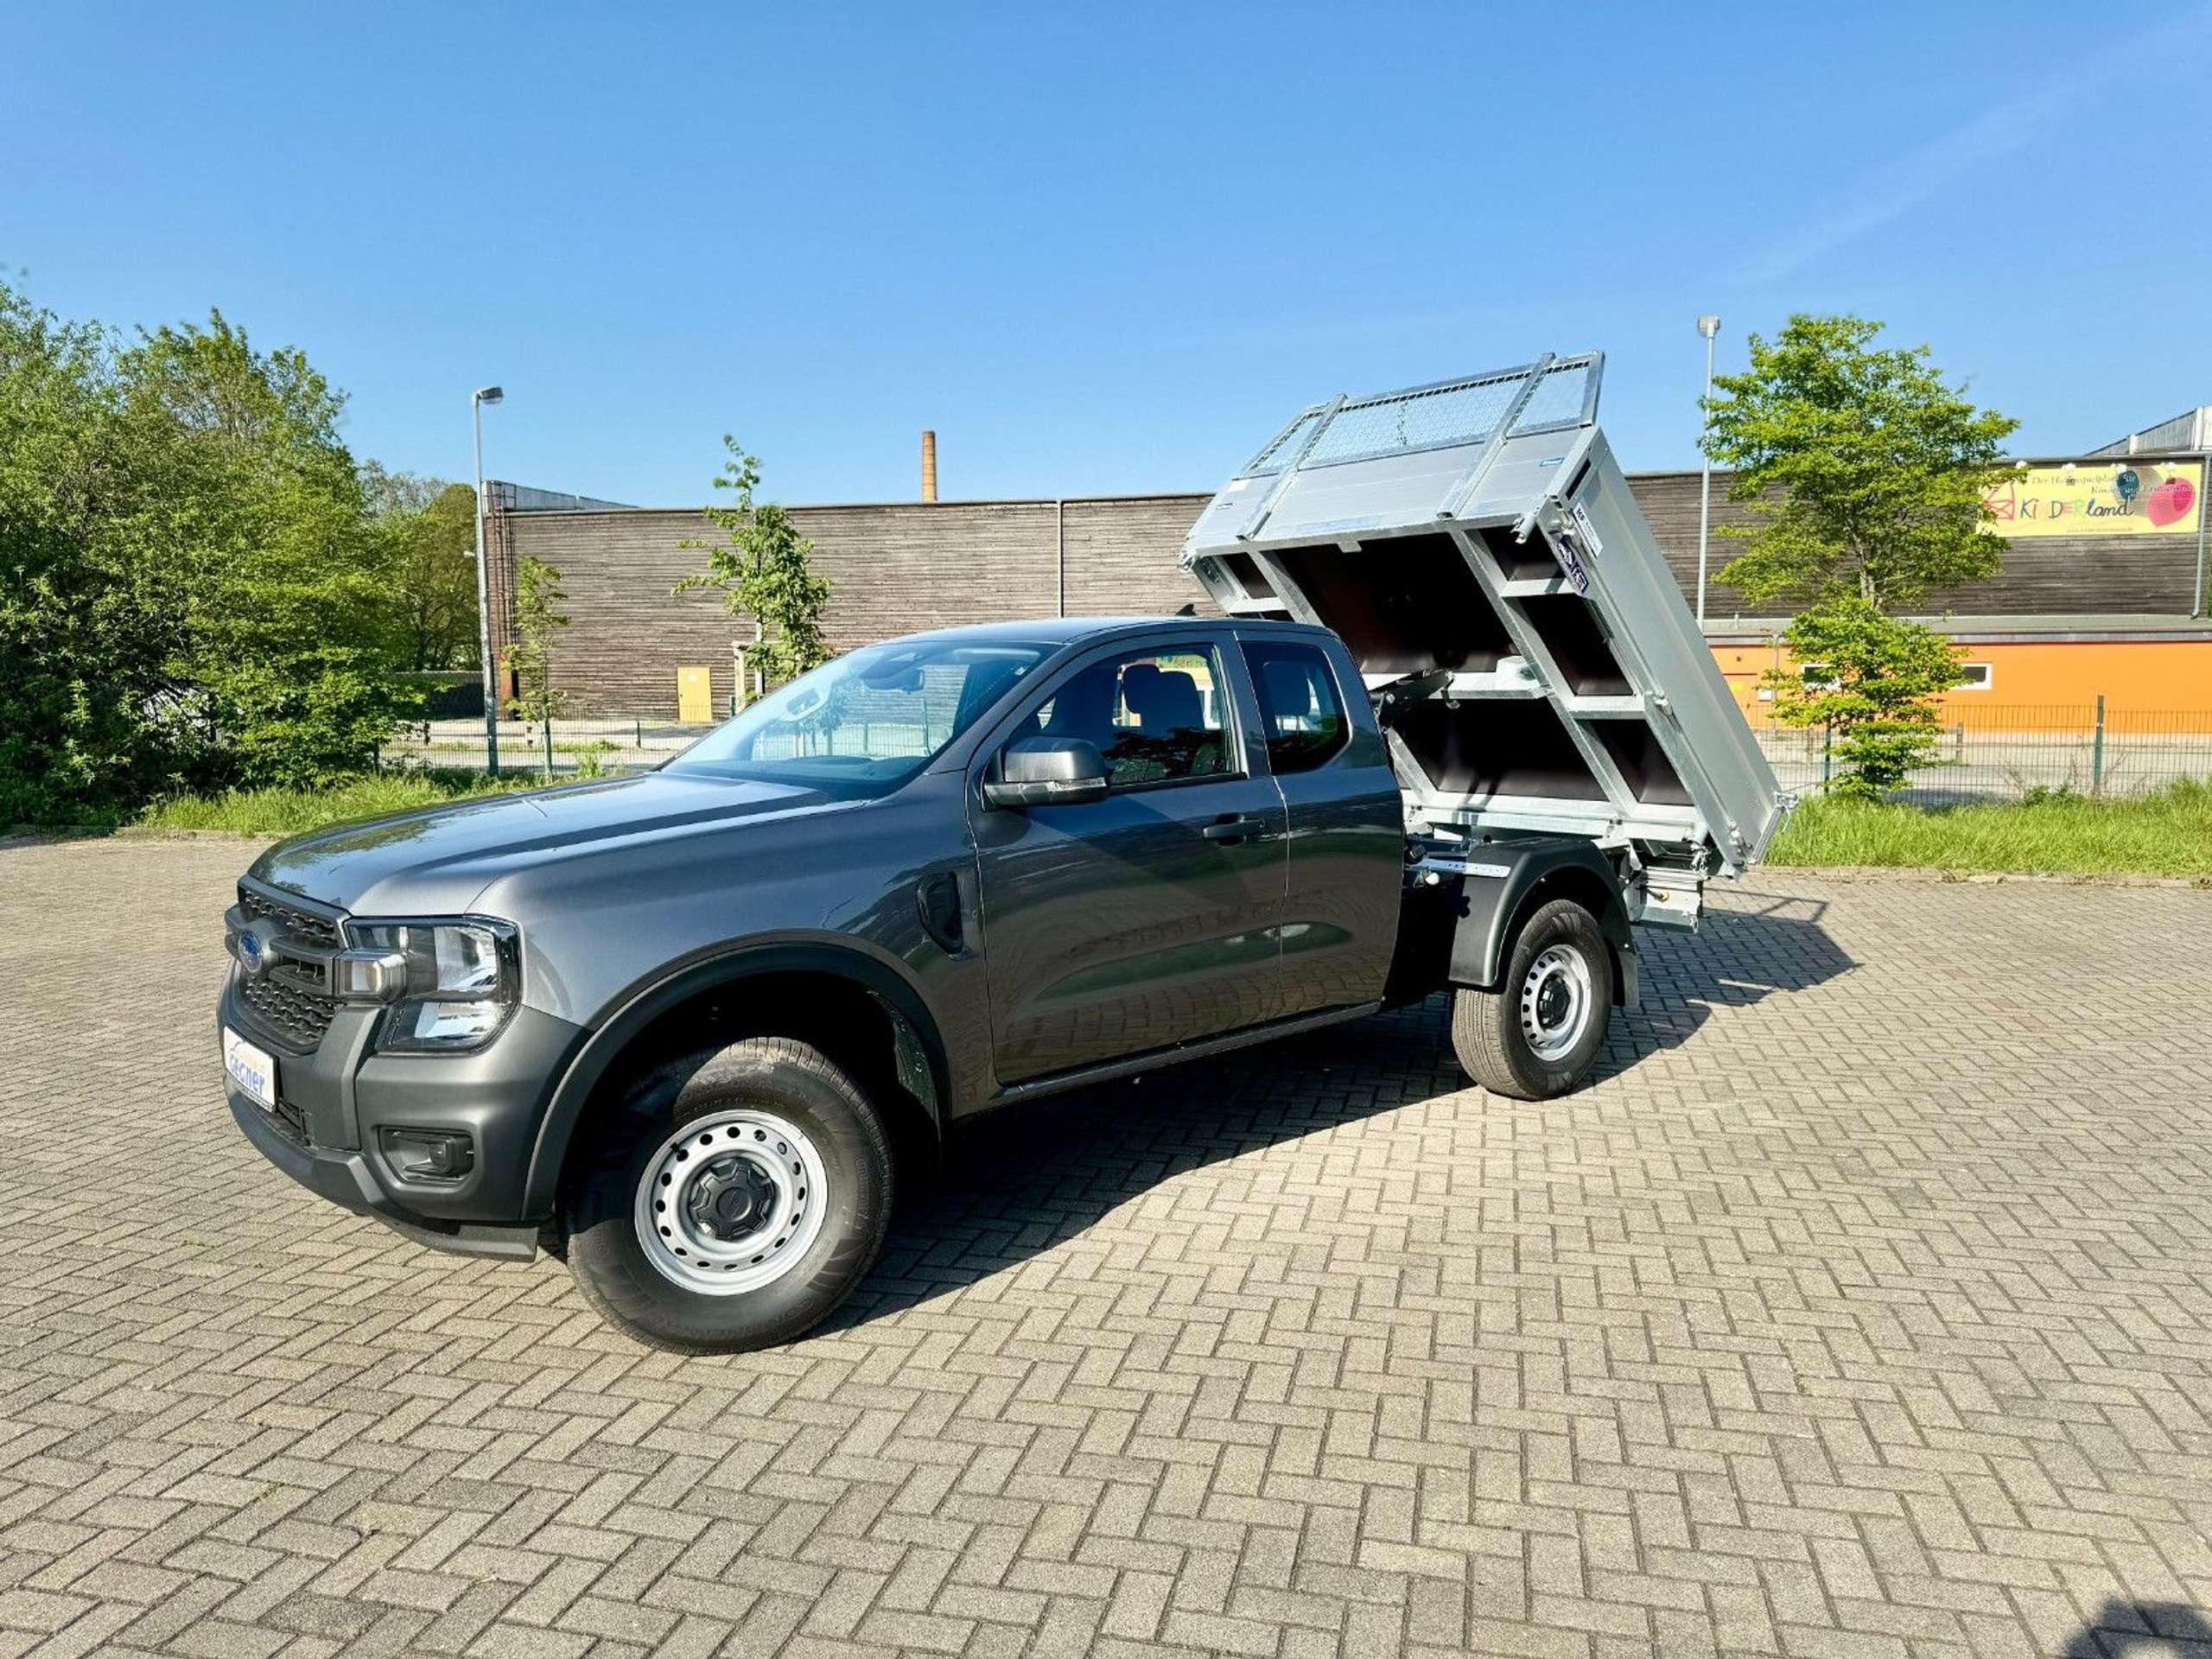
(2106, 497)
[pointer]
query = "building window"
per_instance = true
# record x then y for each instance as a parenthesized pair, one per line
(1977, 677)
(1819, 677)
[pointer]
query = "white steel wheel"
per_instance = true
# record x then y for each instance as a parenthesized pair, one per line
(1555, 1001)
(731, 1201)
(1536, 1033)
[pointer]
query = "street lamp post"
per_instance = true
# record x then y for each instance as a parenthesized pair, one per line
(480, 396)
(1708, 327)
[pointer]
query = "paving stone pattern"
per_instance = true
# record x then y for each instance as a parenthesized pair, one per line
(1863, 1306)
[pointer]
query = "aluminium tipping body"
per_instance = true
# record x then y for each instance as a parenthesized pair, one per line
(1476, 545)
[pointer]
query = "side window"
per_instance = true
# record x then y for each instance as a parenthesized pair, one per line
(1155, 716)
(1298, 705)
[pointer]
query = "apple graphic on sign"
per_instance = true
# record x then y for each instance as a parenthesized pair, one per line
(2170, 502)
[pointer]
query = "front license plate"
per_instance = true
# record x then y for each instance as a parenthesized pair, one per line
(254, 1069)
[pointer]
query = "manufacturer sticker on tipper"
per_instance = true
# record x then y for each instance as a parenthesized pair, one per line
(1589, 531)
(1563, 551)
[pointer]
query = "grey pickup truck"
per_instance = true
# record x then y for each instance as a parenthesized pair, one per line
(1452, 731)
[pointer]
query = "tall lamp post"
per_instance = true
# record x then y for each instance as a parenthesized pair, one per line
(1708, 327)
(480, 396)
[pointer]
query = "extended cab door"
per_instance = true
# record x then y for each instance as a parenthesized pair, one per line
(1147, 919)
(1347, 838)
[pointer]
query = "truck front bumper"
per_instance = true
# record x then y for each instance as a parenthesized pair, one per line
(334, 1100)
(345, 1178)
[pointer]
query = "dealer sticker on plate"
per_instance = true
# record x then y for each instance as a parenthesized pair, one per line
(254, 1069)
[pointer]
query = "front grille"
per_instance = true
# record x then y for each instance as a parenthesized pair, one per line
(295, 1017)
(312, 926)
(288, 1002)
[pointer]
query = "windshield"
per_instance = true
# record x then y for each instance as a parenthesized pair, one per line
(865, 723)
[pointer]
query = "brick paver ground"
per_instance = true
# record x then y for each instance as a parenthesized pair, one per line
(1864, 1307)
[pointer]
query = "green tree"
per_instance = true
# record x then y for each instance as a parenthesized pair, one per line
(538, 619)
(1872, 681)
(253, 534)
(77, 658)
(189, 596)
(763, 572)
(426, 529)
(1863, 472)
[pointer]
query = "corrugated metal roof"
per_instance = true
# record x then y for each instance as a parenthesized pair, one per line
(2191, 429)
(508, 497)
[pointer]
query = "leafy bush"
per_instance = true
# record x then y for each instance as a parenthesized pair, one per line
(192, 593)
(590, 759)
(1870, 679)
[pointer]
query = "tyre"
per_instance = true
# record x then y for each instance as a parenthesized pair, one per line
(732, 1200)
(1538, 1033)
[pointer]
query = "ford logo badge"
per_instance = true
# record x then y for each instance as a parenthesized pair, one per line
(253, 951)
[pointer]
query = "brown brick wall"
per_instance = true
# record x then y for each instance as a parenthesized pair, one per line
(900, 567)
(893, 569)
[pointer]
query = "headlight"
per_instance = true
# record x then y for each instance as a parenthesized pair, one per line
(463, 979)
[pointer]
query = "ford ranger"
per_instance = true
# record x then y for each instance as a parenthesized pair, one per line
(1452, 731)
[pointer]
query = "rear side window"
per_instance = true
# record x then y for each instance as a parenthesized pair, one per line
(1298, 704)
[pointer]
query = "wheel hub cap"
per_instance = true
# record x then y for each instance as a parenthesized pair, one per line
(1552, 1004)
(733, 1198)
(1555, 1001)
(730, 1202)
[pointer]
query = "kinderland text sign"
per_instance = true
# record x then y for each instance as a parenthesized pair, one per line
(2118, 498)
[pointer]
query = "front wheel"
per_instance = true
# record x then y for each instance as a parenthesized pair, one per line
(733, 1198)
(1538, 1033)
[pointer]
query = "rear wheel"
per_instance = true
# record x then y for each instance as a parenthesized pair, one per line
(1538, 1033)
(732, 1200)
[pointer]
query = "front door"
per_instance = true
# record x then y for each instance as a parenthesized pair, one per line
(1151, 918)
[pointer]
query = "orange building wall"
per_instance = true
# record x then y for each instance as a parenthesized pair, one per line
(2166, 676)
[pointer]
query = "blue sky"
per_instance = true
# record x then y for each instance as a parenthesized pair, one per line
(1102, 249)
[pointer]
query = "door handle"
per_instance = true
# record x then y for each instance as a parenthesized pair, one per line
(1239, 828)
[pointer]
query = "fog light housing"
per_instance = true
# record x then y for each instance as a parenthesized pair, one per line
(427, 1155)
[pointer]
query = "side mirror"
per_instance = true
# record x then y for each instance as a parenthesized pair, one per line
(1042, 771)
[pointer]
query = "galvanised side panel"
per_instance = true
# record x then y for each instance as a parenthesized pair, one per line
(1687, 701)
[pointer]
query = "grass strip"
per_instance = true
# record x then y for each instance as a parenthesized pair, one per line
(295, 812)
(2168, 832)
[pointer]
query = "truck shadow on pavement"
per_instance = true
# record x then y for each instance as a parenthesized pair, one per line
(1777, 942)
(2144, 1629)
(1018, 1182)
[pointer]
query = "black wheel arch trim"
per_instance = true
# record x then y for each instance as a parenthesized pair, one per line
(1497, 907)
(913, 1028)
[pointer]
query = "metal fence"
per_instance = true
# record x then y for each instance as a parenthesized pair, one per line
(2007, 752)
(1999, 752)
(602, 744)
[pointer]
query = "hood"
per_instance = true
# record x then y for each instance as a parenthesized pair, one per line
(438, 860)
